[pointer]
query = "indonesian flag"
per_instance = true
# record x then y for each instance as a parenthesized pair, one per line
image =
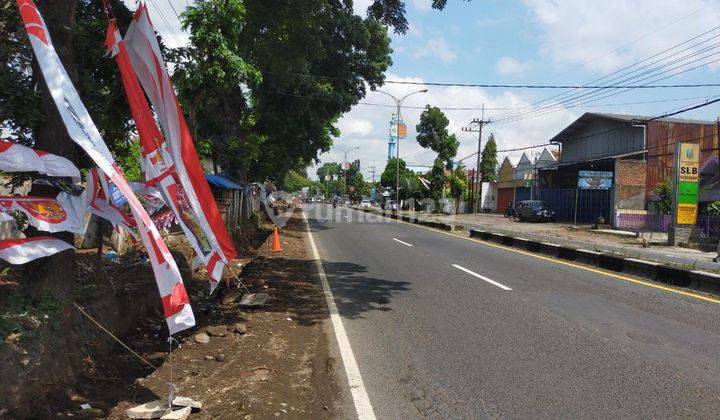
(15, 157)
(150, 69)
(48, 214)
(80, 127)
(157, 164)
(21, 251)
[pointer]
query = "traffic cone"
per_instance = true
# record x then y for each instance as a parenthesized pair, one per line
(276, 241)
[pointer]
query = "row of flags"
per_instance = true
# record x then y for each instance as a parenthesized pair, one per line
(169, 163)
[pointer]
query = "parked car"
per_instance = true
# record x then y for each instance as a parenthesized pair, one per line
(365, 203)
(534, 211)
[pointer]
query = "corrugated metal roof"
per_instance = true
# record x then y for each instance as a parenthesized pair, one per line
(586, 117)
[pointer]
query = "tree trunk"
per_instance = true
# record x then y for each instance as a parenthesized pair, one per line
(56, 273)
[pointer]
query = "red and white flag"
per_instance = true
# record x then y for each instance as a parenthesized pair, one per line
(149, 66)
(15, 157)
(48, 214)
(157, 164)
(21, 251)
(80, 127)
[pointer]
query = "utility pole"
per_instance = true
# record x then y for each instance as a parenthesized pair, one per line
(345, 151)
(478, 179)
(372, 169)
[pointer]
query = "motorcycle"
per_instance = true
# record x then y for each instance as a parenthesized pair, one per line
(509, 213)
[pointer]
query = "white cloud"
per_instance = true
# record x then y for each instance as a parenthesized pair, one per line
(436, 47)
(354, 126)
(360, 7)
(511, 66)
(373, 144)
(596, 33)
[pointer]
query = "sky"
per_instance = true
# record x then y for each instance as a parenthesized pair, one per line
(566, 42)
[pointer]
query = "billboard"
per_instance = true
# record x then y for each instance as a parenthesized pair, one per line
(688, 161)
(595, 180)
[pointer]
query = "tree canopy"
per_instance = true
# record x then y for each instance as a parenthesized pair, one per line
(488, 160)
(432, 134)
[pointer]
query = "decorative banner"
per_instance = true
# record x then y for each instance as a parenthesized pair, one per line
(595, 180)
(80, 127)
(47, 214)
(149, 66)
(157, 164)
(15, 157)
(688, 162)
(24, 250)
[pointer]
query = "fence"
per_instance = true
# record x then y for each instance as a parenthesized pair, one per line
(648, 222)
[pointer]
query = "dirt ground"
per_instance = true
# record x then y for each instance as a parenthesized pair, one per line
(54, 360)
(281, 367)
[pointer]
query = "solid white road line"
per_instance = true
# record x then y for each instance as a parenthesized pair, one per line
(481, 277)
(357, 388)
(404, 243)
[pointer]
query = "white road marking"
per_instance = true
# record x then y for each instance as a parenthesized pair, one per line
(357, 388)
(404, 243)
(481, 277)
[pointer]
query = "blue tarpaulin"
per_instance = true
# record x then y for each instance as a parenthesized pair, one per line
(223, 182)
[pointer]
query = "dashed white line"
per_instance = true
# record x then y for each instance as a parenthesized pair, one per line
(481, 277)
(357, 387)
(404, 243)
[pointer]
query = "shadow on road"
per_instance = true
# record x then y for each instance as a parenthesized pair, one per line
(355, 293)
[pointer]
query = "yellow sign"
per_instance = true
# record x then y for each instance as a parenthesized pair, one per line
(689, 162)
(686, 214)
(403, 131)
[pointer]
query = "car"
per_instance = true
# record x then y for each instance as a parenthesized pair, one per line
(365, 203)
(534, 211)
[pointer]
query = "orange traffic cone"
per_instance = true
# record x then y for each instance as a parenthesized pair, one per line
(276, 241)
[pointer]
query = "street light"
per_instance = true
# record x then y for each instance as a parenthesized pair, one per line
(398, 103)
(346, 151)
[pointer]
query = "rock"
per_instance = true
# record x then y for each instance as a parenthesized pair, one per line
(240, 328)
(25, 361)
(202, 338)
(221, 358)
(231, 296)
(180, 414)
(187, 402)
(151, 410)
(216, 330)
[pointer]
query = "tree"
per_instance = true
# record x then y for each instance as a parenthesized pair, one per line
(289, 70)
(389, 176)
(488, 160)
(296, 181)
(329, 168)
(392, 12)
(432, 134)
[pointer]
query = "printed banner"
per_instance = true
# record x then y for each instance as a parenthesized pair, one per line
(157, 164)
(47, 214)
(24, 250)
(80, 127)
(688, 163)
(595, 180)
(149, 66)
(15, 157)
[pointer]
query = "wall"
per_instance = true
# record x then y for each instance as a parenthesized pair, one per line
(662, 137)
(630, 184)
(489, 195)
(601, 137)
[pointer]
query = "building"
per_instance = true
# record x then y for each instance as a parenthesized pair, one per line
(517, 178)
(636, 153)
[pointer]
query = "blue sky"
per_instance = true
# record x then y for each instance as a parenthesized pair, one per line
(521, 42)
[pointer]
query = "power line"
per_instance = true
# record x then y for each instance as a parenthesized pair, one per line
(481, 85)
(167, 24)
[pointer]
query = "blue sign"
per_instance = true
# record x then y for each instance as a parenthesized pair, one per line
(595, 180)
(116, 195)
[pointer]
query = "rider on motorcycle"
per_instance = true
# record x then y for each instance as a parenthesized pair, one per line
(509, 210)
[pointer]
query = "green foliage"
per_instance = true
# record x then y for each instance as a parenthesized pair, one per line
(388, 177)
(98, 81)
(129, 159)
(458, 182)
(392, 12)
(295, 181)
(664, 191)
(329, 168)
(437, 179)
(432, 134)
(488, 160)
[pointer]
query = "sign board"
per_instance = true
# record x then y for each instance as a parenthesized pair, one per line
(346, 166)
(529, 183)
(394, 129)
(688, 163)
(595, 180)
(328, 177)
(117, 197)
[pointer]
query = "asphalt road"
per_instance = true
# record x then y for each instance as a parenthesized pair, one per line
(442, 326)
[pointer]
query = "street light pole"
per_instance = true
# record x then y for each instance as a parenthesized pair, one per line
(398, 121)
(345, 151)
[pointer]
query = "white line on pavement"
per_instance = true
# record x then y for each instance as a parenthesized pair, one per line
(357, 387)
(404, 243)
(481, 277)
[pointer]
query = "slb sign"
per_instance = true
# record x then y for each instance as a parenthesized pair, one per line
(689, 162)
